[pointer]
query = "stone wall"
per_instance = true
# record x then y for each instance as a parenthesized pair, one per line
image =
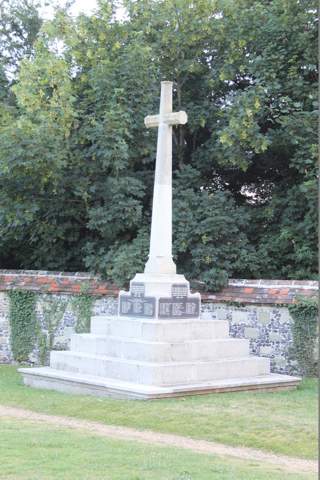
(268, 327)
(5, 352)
(256, 309)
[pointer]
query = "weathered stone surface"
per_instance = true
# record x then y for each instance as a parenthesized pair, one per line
(4, 304)
(266, 351)
(222, 314)
(280, 362)
(5, 350)
(264, 316)
(285, 316)
(274, 336)
(240, 316)
(250, 332)
(278, 326)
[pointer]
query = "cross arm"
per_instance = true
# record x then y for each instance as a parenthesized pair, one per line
(176, 118)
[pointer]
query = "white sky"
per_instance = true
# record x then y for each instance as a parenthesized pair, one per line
(85, 6)
(79, 6)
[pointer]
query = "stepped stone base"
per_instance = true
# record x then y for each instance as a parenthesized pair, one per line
(154, 358)
(50, 379)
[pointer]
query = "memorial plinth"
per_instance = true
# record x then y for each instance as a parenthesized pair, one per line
(158, 345)
(152, 297)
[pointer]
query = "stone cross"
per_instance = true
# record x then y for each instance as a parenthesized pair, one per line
(160, 255)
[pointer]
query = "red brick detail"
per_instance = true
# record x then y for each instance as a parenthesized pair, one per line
(284, 291)
(238, 291)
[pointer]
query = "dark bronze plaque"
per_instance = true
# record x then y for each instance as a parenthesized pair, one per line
(179, 290)
(136, 304)
(137, 289)
(179, 308)
(179, 305)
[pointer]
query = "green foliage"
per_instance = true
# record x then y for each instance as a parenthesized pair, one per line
(27, 333)
(53, 309)
(22, 321)
(20, 23)
(77, 163)
(82, 307)
(305, 334)
(209, 246)
(122, 260)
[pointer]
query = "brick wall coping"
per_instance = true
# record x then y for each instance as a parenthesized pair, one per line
(238, 290)
(301, 284)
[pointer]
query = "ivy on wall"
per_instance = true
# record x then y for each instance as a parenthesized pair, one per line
(304, 331)
(29, 333)
(53, 309)
(22, 319)
(82, 307)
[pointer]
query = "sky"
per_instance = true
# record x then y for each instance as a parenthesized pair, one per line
(85, 6)
(79, 6)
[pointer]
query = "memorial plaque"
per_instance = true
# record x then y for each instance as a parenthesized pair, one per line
(137, 289)
(136, 304)
(179, 290)
(179, 305)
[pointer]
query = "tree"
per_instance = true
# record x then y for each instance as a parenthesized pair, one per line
(20, 23)
(77, 163)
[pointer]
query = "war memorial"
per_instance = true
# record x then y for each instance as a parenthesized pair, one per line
(158, 345)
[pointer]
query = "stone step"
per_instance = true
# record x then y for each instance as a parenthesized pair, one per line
(159, 330)
(131, 349)
(150, 373)
(100, 324)
(79, 383)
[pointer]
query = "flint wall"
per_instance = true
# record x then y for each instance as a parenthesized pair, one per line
(255, 309)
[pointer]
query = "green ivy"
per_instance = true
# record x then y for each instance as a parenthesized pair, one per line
(305, 315)
(27, 333)
(22, 320)
(53, 309)
(82, 307)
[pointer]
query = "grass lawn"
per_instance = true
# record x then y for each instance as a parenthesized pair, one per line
(35, 451)
(282, 422)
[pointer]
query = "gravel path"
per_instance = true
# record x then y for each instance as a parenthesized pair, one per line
(289, 464)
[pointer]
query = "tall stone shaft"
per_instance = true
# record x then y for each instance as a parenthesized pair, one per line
(160, 255)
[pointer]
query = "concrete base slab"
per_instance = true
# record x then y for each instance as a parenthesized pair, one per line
(51, 379)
